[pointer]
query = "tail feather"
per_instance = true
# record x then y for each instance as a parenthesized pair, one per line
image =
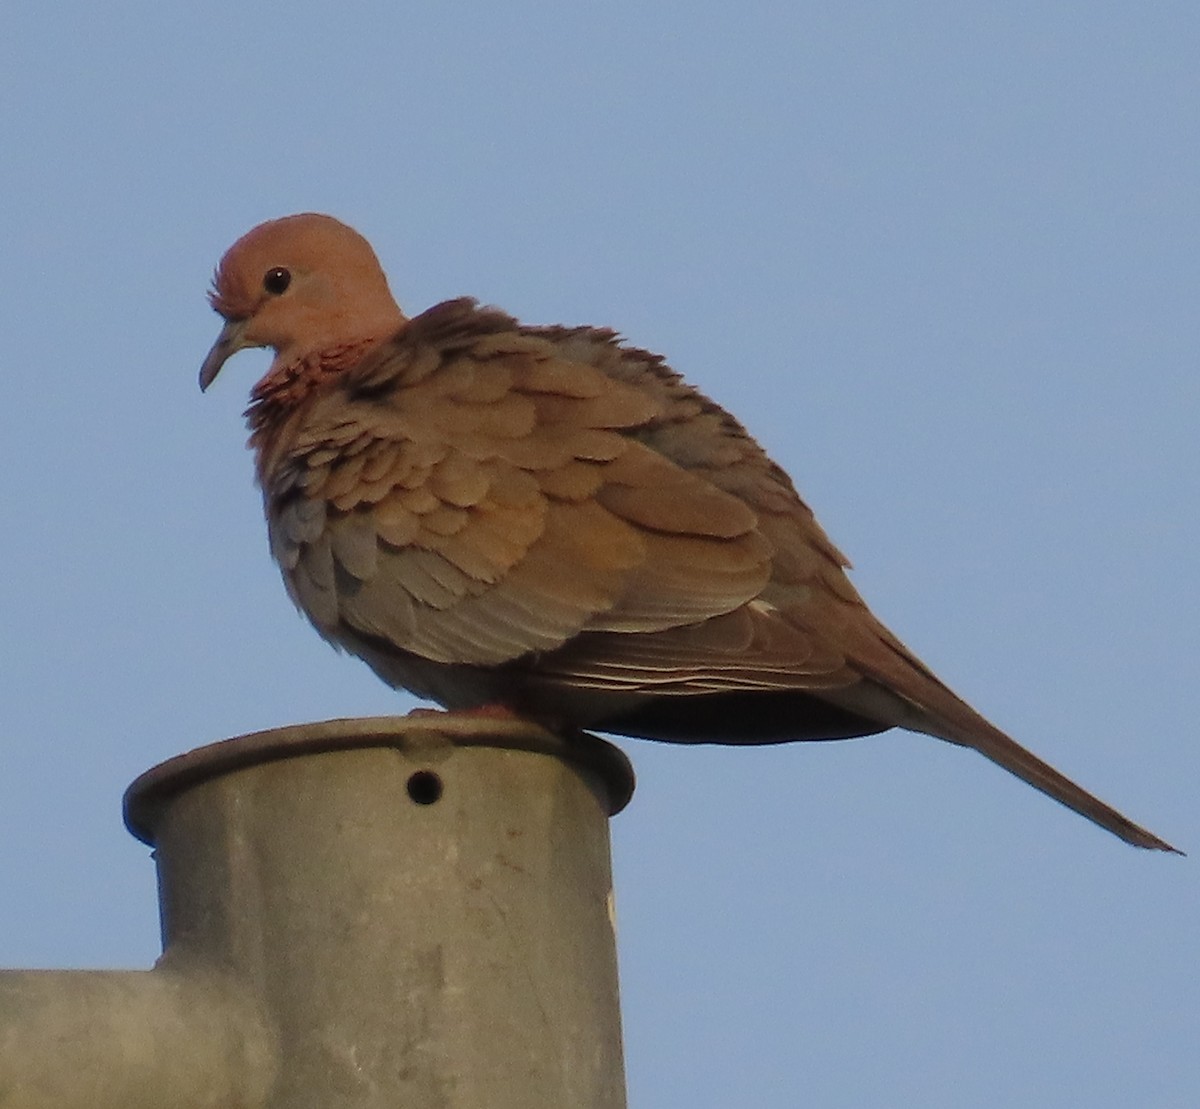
(993, 744)
(905, 692)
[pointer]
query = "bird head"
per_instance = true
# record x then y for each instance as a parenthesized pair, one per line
(299, 285)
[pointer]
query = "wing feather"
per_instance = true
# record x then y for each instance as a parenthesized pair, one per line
(478, 493)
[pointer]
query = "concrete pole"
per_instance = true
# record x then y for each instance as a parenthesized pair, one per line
(401, 912)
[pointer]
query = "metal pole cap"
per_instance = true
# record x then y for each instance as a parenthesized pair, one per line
(417, 733)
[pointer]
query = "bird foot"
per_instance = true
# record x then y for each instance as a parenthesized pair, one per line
(494, 711)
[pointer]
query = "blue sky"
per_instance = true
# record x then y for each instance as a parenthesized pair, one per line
(942, 259)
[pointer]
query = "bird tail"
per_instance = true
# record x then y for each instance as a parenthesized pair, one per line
(975, 731)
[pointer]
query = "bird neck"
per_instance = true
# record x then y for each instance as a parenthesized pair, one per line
(286, 387)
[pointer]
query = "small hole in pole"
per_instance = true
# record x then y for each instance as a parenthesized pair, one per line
(425, 787)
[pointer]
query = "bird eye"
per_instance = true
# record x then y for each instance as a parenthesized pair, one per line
(277, 280)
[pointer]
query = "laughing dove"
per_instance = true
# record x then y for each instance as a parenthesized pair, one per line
(547, 520)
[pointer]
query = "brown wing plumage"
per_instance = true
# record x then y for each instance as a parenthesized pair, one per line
(543, 517)
(470, 497)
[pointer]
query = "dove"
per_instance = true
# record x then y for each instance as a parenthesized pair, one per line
(551, 523)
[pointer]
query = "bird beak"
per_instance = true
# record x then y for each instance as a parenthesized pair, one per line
(229, 342)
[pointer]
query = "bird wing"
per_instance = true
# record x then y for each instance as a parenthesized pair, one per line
(478, 494)
(471, 493)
